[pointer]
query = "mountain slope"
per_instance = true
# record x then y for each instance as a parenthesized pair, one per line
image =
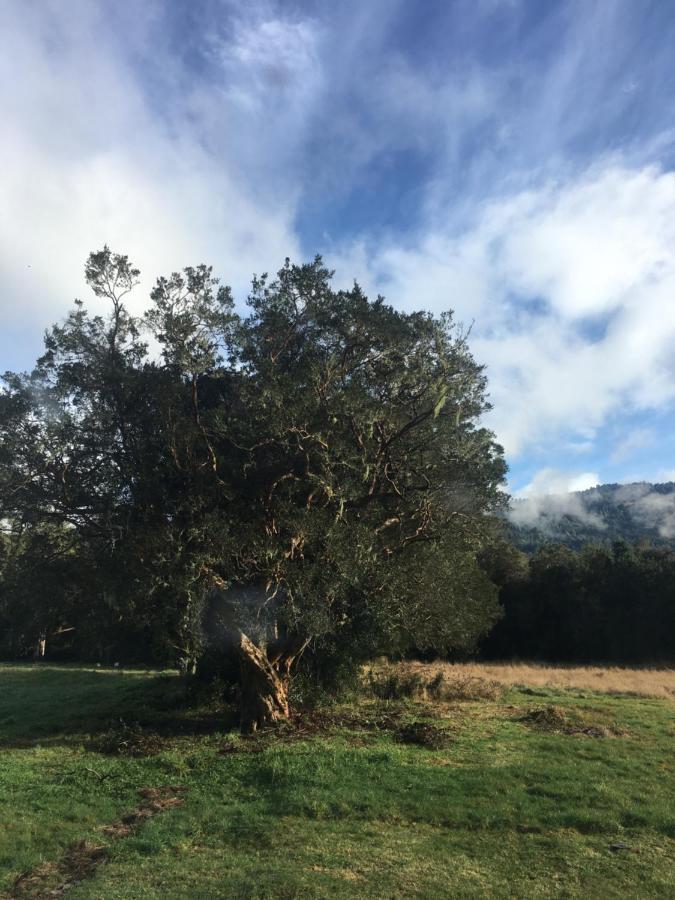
(602, 514)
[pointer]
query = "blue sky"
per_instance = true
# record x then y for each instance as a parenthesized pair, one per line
(512, 160)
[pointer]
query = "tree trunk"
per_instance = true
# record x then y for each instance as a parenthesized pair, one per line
(40, 646)
(265, 678)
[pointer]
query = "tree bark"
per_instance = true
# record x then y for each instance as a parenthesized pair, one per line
(265, 678)
(40, 646)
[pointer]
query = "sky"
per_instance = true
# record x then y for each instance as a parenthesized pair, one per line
(511, 160)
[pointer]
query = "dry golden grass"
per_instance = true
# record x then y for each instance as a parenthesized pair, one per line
(644, 682)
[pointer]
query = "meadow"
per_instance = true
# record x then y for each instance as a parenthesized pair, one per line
(480, 781)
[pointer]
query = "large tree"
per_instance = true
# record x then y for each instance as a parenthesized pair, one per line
(314, 467)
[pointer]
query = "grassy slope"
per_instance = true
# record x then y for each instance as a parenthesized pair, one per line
(505, 811)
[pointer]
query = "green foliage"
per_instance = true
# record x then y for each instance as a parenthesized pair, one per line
(390, 683)
(503, 563)
(314, 470)
(602, 604)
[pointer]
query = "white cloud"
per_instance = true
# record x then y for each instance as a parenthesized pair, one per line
(271, 54)
(650, 507)
(86, 159)
(579, 448)
(636, 439)
(657, 511)
(267, 81)
(553, 481)
(547, 498)
(110, 135)
(572, 288)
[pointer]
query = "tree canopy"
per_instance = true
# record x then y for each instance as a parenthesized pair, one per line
(314, 467)
(602, 604)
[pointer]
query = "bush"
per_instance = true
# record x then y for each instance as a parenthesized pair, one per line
(393, 684)
(424, 734)
(127, 739)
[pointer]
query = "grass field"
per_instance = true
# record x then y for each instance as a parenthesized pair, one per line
(529, 791)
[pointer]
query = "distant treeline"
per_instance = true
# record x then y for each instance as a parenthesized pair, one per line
(600, 604)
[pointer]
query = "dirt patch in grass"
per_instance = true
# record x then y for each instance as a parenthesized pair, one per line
(559, 721)
(54, 878)
(424, 734)
(155, 801)
(306, 724)
(317, 721)
(80, 861)
(252, 744)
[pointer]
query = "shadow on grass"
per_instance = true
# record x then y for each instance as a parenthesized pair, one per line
(54, 705)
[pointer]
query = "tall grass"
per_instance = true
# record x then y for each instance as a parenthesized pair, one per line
(645, 682)
(391, 682)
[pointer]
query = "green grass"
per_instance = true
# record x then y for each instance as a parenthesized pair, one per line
(504, 811)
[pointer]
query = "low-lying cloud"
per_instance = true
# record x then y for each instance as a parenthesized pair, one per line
(552, 496)
(653, 508)
(648, 508)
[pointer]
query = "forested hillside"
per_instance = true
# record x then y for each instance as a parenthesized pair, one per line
(600, 515)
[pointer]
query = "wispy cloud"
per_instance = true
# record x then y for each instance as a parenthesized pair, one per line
(657, 511)
(508, 160)
(636, 439)
(651, 509)
(570, 285)
(548, 498)
(87, 158)
(551, 481)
